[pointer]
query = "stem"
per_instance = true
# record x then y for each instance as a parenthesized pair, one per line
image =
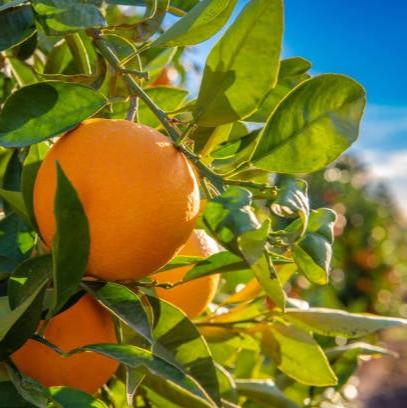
(134, 87)
(132, 111)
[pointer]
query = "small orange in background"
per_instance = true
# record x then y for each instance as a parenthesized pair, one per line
(139, 193)
(86, 322)
(192, 297)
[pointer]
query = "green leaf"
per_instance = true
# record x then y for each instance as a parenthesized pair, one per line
(201, 23)
(243, 65)
(252, 245)
(264, 392)
(297, 355)
(70, 243)
(166, 98)
(292, 72)
(179, 339)
(134, 378)
(73, 398)
(313, 253)
(293, 142)
(139, 358)
(16, 241)
(58, 16)
(359, 348)
(30, 389)
(22, 72)
(227, 385)
(31, 166)
(17, 325)
(16, 25)
(16, 202)
(332, 322)
(9, 397)
(27, 277)
(125, 305)
(221, 262)
(6, 156)
(184, 5)
(58, 107)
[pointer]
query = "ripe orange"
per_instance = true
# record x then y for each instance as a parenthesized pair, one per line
(138, 191)
(84, 323)
(164, 78)
(192, 297)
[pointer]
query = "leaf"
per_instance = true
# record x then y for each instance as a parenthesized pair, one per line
(27, 277)
(227, 385)
(17, 325)
(221, 262)
(359, 348)
(30, 389)
(252, 245)
(16, 25)
(16, 241)
(70, 397)
(292, 199)
(9, 396)
(22, 72)
(243, 65)
(31, 166)
(229, 215)
(16, 202)
(297, 355)
(59, 16)
(313, 253)
(202, 22)
(70, 243)
(134, 378)
(125, 305)
(176, 336)
(264, 392)
(166, 98)
(136, 357)
(294, 142)
(332, 322)
(292, 72)
(59, 107)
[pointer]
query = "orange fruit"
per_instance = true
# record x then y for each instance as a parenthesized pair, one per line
(192, 297)
(138, 191)
(164, 78)
(86, 322)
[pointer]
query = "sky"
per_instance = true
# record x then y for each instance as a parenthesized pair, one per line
(367, 40)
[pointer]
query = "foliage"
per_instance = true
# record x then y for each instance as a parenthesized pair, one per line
(258, 345)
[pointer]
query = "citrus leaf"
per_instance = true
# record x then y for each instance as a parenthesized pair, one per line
(22, 72)
(332, 322)
(16, 25)
(9, 396)
(59, 16)
(292, 72)
(134, 378)
(58, 107)
(125, 305)
(167, 98)
(292, 142)
(202, 22)
(264, 392)
(70, 243)
(252, 245)
(297, 355)
(178, 338)
(31, 166)
(227, 385)
(17, 325)
(30, 389)
(136, 357)
(27, 277)
(243, 65)
(70, 397)
(313, 253)
(16, 202)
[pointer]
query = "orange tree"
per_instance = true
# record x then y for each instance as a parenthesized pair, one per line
(117, 196)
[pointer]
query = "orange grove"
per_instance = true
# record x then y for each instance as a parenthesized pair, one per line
(86, 322)
(138, 191)
(192, 297)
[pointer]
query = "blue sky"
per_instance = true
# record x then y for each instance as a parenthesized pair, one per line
(366, 39)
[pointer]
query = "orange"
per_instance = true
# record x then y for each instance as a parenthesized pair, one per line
(164, 78)
(138, 191)
(86, 322)
(192, 297)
